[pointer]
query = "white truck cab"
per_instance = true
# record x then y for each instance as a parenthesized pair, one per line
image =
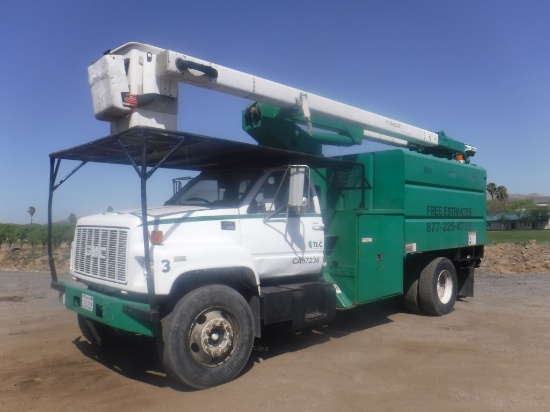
(221, 219)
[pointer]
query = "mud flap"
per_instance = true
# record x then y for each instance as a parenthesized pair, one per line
(466, 282)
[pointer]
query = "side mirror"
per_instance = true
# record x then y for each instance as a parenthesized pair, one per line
(177, 183)
(297, 188)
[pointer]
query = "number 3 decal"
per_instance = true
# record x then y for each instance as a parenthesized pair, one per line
(166, 264)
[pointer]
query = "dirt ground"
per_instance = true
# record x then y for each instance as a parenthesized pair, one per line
(511, 258)
(491, 354)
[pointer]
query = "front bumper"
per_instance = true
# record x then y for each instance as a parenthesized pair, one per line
(129, 316)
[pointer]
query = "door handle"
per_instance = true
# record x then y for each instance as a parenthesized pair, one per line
(318, 226)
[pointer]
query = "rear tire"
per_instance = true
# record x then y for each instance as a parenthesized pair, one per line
(411, 299)
(208, 337)
(438, 287)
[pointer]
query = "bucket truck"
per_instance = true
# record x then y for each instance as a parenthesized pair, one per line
(267, 233)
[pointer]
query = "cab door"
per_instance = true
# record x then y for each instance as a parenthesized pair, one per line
(283, 240)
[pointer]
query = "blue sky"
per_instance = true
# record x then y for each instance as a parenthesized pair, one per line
(479, 70)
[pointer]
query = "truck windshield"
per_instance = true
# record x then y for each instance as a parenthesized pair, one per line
(216, 189)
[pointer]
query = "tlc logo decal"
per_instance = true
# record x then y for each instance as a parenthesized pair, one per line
(315, 245)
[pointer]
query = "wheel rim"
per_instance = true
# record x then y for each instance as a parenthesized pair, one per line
(444, 286)
(212, 337)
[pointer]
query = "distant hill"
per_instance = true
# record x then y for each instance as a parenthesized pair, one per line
(536, 197)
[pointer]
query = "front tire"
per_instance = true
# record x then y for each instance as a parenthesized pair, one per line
(437, 287)
(208, 337)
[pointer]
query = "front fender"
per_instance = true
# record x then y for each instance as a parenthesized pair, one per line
(171, 263)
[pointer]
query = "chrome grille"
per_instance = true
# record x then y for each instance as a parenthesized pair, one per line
(100, 252)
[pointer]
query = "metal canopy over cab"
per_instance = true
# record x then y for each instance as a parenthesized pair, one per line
(147, 150)
(180, 150)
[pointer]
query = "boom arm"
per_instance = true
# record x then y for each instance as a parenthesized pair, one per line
(137, 85)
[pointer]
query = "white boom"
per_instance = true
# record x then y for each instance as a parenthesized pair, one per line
(137, 85)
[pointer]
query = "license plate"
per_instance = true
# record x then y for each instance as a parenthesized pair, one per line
(87, 302)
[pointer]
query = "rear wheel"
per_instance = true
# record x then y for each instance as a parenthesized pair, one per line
(437, 287)
(411, 300)
(208, 337)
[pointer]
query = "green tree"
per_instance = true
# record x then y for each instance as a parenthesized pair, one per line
(62, 233)
(501, 193)
(495, 207)
(37, 234)
(72, 218)
(22, 234)
(11, 234)
(540, 213)
(2, 234)
(68, 233)
(491, 189)
(521, 208)
(31, 211)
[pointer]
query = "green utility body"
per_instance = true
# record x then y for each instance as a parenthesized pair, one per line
(392, 211)
(406, 208)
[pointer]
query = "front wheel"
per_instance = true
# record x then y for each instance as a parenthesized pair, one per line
(437, 287)
(208, 337)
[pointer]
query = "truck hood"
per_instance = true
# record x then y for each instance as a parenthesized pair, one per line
(132, 217)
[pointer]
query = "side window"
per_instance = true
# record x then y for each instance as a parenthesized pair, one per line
(200, 192)
(231, 191)
(273, 195)
(219, 189)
